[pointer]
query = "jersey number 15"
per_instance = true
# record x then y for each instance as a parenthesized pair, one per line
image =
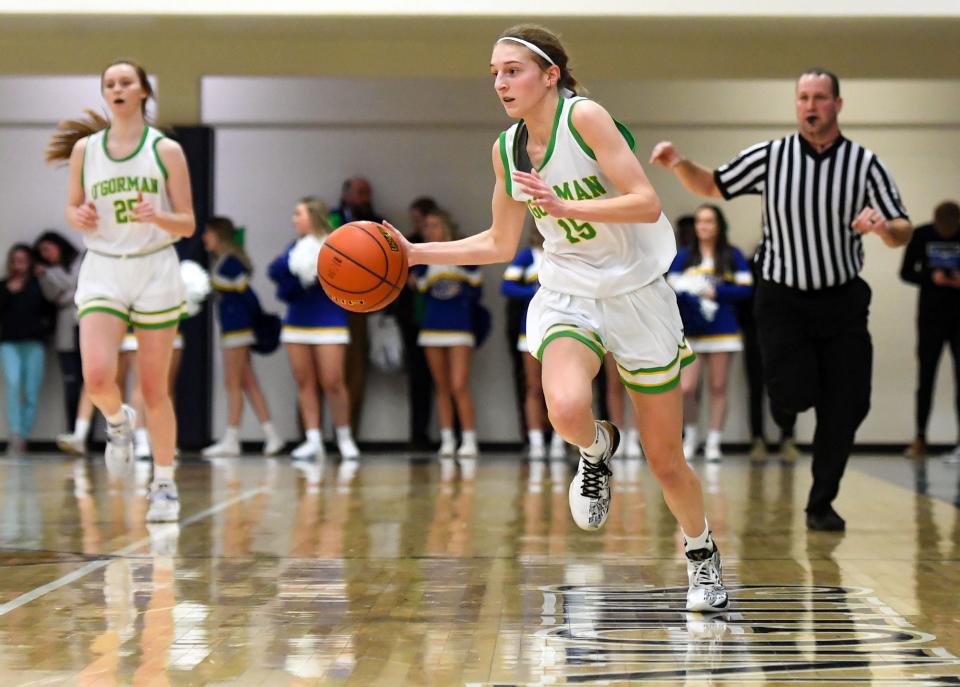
(584, 232)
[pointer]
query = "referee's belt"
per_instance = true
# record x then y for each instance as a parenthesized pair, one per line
(138, 254)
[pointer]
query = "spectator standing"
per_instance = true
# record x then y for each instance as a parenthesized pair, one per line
(356, 204)
(409, 308)
(26, 319)
(932, 261)
(57, 269)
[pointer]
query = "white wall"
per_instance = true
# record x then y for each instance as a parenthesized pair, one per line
(279, 139)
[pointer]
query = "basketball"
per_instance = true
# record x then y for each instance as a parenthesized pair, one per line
(362, 266)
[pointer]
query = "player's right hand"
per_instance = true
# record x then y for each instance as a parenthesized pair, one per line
(665, 154)
(404, 243)
(85, 217)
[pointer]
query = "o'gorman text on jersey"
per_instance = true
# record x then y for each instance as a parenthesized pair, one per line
(125, 184)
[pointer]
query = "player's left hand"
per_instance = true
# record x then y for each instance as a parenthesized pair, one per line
(869, 221)
(541, 194)
(144, 211)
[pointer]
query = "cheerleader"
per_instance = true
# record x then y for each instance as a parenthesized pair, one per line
(521, 281)
(630, 446)
(447, 337)
(709, 276)
(315, 333)
(237, 306)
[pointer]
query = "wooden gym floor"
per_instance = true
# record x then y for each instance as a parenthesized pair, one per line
(391, 576)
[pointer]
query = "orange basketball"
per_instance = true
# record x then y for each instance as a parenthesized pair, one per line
(362, 266)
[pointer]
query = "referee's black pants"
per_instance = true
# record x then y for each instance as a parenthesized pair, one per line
(817, 354)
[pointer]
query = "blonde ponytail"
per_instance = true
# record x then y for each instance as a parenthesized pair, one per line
(69, 131)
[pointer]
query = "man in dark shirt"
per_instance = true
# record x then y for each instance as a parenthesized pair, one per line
(932, 260)
(356, 204)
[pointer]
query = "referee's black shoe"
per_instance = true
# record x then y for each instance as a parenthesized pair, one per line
(826, 520)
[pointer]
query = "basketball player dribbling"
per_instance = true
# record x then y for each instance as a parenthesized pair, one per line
(607, 245)
(129, 194)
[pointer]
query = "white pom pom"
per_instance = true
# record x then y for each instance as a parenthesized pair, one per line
(196, 284)
(386, 342)
(302, 260)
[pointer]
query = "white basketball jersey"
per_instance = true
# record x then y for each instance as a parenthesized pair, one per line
(588, 259)
(113, 186)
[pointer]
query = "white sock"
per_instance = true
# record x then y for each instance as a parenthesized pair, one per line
(701, 541)
(232, 434)
(557, 440)
(535, 437)
(162, 473)
(599, 445)
(690, 433)
(81, 427)
(714, 436)
(344, 433)
(313, 436)
(470, 437)
(118, 418)
(141, 435)
(269, 430)
(446, 435)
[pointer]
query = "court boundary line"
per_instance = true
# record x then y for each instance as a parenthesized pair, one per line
(93, 566)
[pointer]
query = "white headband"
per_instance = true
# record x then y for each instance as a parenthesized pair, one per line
(530, 46)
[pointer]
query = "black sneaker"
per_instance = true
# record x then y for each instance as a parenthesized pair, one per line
(825, 521)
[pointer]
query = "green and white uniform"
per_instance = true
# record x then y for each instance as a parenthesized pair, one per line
(602, 283)
(130, 269)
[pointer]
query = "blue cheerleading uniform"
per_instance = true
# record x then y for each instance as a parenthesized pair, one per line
(312, 318)
(237, 303)
(451, 292)
(521, 280)
(711, 326)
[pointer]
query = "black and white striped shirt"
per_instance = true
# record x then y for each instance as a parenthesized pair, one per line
(810, 200)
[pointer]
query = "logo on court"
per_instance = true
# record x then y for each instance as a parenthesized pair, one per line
(803, 634)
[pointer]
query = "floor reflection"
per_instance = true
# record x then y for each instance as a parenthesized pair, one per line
(392, 572)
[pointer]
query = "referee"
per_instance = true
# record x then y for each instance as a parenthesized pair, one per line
(820, 193)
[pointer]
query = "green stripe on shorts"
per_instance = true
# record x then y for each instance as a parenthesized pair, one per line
(573, 335)
(99, 308)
